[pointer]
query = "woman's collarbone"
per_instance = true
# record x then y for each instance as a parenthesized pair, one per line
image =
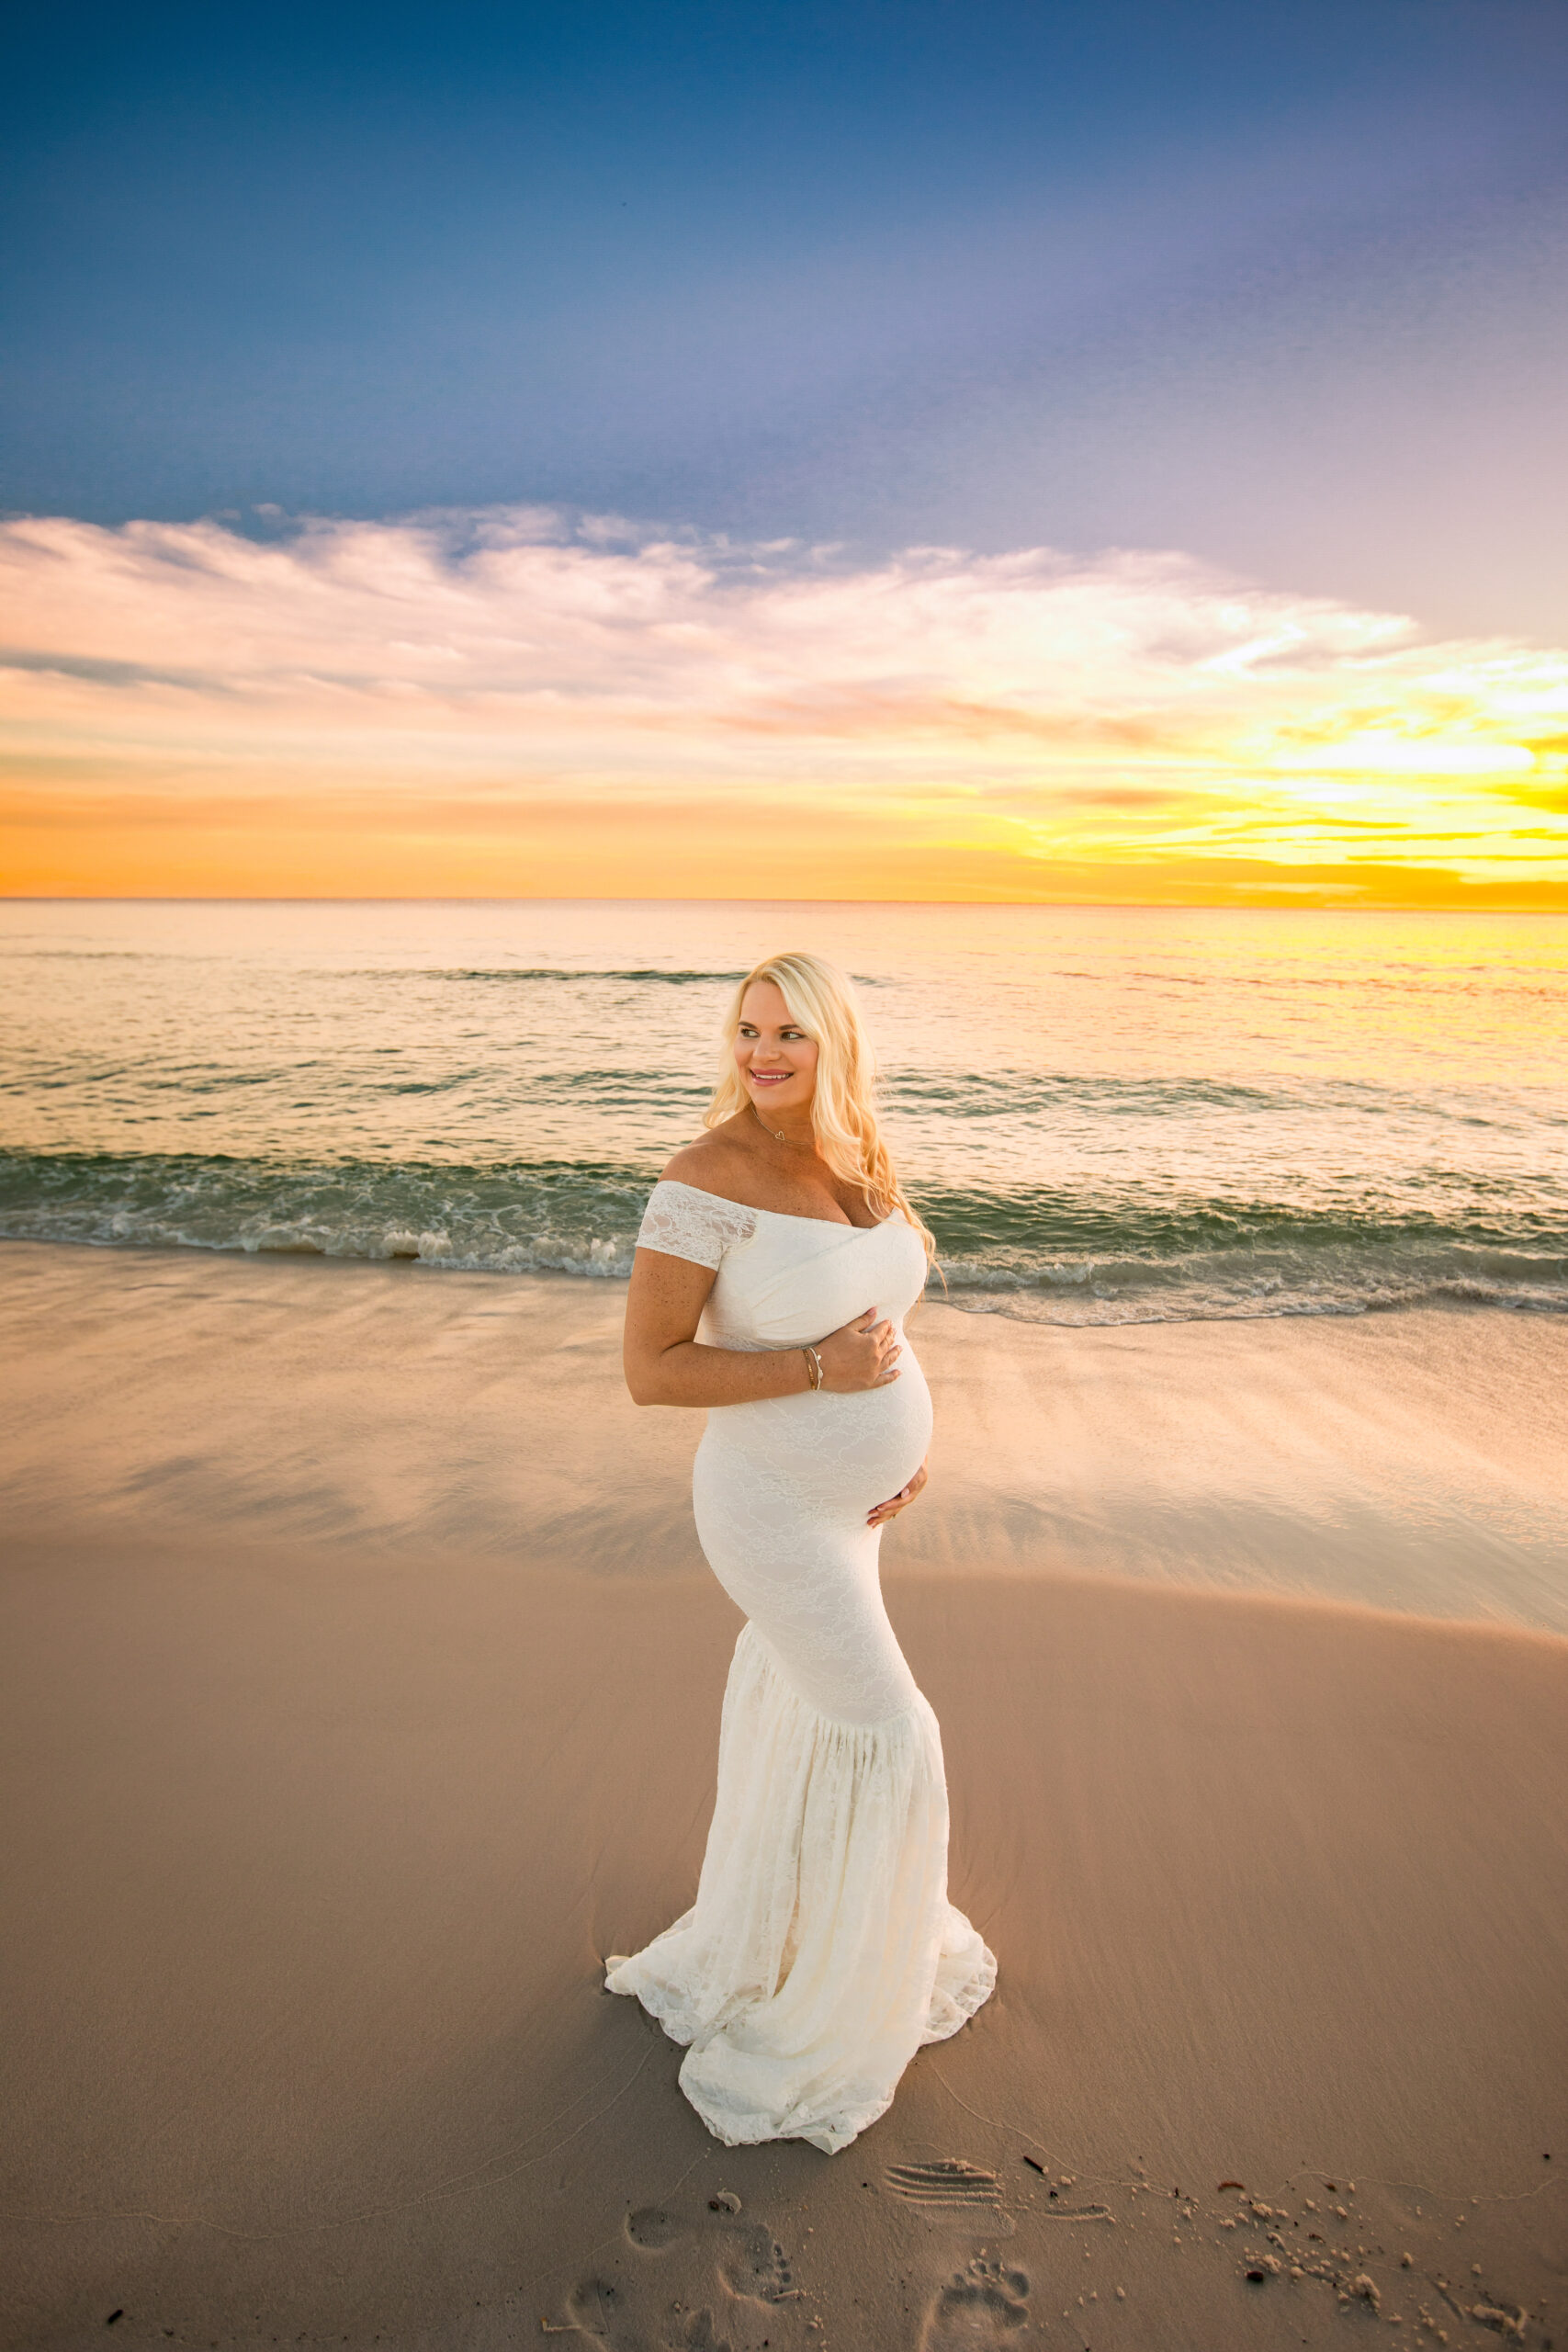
(757, 1186)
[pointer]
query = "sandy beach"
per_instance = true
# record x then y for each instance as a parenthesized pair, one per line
(360, 1689)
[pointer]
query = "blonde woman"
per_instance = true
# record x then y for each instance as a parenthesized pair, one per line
(776, 1261)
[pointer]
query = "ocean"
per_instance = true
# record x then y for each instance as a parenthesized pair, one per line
(1106, 1115)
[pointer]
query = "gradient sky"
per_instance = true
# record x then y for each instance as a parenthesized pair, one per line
(1276, 296)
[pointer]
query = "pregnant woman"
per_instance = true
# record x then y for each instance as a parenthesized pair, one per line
(776, 1260)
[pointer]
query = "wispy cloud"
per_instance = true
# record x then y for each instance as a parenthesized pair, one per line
(580, 693)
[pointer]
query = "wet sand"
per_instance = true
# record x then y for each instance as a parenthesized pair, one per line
(359, 1689)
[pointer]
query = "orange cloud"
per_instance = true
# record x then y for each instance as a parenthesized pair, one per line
(489, 702)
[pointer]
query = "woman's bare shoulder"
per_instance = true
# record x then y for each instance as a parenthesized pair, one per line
(715, 1163)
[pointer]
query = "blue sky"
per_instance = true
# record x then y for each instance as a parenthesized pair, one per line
(1283, 288)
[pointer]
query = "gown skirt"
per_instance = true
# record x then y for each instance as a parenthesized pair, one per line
(821, 1949)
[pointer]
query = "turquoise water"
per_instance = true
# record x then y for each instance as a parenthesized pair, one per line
(1106, 1115)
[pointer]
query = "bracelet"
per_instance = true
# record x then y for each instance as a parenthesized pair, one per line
(813, 1368)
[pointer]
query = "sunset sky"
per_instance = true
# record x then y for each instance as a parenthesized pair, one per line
(910, 451)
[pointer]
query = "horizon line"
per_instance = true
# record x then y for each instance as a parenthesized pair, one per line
(714, 898)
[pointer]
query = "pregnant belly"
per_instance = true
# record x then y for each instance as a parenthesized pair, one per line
(822, 1457)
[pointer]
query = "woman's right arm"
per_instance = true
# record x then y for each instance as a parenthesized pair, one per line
(666, 1364)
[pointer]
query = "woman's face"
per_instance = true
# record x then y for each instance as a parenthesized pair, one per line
(776, 1060)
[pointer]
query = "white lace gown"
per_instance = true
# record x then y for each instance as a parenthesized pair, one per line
(821, 1949)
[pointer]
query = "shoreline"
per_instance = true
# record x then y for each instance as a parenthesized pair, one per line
(1261, 1285)
(360, 1689)
(1415, 1460)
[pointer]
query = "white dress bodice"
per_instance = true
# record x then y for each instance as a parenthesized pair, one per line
(781, 1281)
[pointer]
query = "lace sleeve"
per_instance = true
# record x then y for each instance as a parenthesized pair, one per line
(685, 1223)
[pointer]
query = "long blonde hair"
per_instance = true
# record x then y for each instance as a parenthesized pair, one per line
(822, 1002)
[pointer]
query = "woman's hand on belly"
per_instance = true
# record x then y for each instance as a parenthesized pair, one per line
(859, 1356)
(900, 1502)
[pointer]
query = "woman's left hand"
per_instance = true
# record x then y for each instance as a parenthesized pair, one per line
(900, 1502)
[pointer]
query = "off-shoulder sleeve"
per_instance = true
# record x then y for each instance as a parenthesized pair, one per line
(685, 1223)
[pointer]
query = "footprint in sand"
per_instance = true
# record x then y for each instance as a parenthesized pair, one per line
(638, 2313)
(653, 2228)
(751, 2260)
(754, 2263)
(601, 2312)
(980, 2305)
(700, 2337)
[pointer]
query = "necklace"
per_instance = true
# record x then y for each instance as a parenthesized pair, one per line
(777, 1133)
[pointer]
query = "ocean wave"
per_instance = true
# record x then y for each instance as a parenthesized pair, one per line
(629, 975)
(1050, 1256)
(502, 1219)
(1377, 1277)
(544, 972)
